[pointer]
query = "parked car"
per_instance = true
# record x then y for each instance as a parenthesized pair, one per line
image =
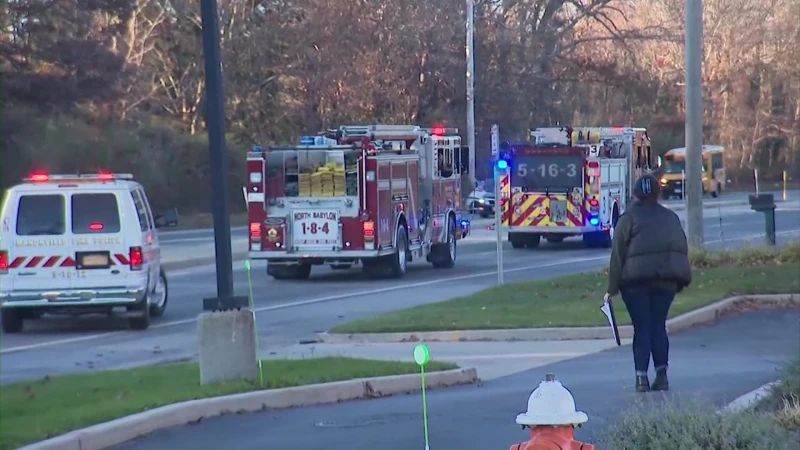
(483, 205)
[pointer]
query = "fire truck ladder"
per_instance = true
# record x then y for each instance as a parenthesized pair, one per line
(382, 132)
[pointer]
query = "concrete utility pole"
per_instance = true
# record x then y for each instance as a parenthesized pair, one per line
(470, 47)
(693, 50)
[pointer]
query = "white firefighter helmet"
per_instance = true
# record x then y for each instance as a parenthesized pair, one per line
(551, 404)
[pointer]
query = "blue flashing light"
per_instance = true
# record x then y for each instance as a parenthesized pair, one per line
(594, 221)
(257, 149)
(502, 164)
(464, 223)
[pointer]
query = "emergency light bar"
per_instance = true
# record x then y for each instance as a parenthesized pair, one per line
(41, 177)
(442, 131)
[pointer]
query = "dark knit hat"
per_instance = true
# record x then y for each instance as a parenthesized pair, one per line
(647, 188)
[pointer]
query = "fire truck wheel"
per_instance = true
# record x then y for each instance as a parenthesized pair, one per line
(445, 257)
(533, 240)
(12, 320)
(399, 261)
(517, 240)
(299, 272)
(597, 239)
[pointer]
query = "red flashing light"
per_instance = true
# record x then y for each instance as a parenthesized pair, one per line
(438, 131)
(136, 258)
(3, 261)
(255, 230)
(105, 176)
(39, 176)
(95, 226)
(369, 229)
(594, 164)
(594, 203)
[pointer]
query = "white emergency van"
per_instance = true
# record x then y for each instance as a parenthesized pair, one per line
(79, 244)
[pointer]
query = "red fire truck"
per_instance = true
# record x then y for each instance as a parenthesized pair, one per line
(572, 182)
(381, 195)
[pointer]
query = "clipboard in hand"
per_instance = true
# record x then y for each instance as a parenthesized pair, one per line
(608, 309)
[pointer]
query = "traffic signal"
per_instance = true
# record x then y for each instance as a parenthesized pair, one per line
(503, 161)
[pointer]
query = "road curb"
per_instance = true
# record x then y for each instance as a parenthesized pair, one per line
(197, 262)
(702, 316)
(104, 435)
(749, 400)
(725, 203)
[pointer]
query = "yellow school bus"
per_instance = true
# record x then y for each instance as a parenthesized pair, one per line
(674, 167)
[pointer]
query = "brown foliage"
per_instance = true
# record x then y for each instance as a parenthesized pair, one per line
(106, 71)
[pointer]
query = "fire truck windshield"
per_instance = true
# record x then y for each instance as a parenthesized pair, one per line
(311, 173)
(547, 169)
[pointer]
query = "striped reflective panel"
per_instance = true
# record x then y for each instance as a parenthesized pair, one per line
(47, 261)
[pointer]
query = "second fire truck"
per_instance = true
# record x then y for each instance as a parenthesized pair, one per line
(379, 195)
(572, 182)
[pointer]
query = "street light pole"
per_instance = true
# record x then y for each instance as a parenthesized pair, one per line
(693, 49)
(498, 209)
(227, 340)
(470, 53)
(218, 161)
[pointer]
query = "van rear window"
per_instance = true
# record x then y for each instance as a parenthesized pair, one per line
(95, 213)
(41, 215)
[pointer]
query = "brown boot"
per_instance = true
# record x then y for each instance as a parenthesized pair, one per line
(661, 383)
(642, 383)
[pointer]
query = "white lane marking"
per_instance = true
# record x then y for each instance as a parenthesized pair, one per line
(306, 302)
(352, 294)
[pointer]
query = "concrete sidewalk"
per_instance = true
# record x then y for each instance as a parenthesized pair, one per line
(491, 359)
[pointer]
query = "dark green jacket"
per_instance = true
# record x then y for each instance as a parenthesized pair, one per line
(649, 247)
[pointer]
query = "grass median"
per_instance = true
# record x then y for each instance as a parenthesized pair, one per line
(38, 409)
(573, 300)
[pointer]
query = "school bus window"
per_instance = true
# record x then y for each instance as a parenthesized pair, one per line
(716, 161)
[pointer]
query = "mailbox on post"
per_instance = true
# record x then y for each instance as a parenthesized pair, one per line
(765, 203)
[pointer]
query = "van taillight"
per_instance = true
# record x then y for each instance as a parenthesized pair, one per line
(136, 258)
(255, 231)
(369, 229)
(3, 261)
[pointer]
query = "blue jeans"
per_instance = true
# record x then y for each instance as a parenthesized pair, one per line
(648, 307)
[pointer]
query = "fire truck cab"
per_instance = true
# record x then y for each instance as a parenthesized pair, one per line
(379, 195)
(572, 182)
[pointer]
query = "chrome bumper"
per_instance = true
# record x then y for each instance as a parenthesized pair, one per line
(555, 230)
(78, 297)
(324, 256)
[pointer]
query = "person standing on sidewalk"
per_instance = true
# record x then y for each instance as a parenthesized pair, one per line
(649, 265)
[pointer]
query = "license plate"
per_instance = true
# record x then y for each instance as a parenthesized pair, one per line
(558, 211)
(315, 228)
(92, 260)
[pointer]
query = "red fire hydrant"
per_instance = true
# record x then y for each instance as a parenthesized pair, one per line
(551, 417)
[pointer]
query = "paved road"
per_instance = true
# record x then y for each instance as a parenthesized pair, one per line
(293, 311)
(206, 235)
(713, 365)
